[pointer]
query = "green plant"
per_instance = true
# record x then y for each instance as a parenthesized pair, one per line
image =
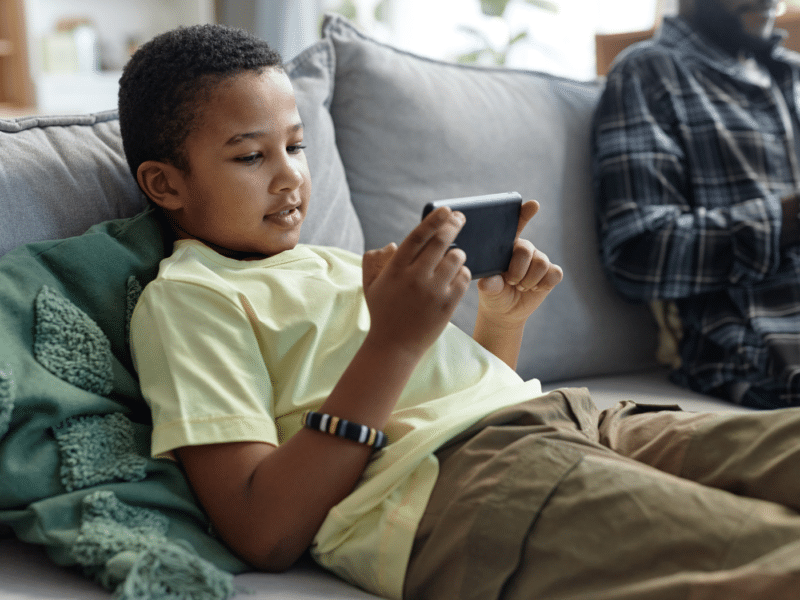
(350, 10)
(496, 8)
(489, 52)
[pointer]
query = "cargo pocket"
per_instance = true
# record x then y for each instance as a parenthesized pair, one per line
(613, 528)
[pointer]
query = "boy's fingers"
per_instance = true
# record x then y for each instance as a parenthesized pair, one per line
(526, 213)
(451, 267)
(434, 234)
(439, 247)
(531, 269)
(521, 262)
(553, 277)
(543, 279)
(419, 236)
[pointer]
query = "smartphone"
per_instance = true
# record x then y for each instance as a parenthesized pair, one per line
(488, 236)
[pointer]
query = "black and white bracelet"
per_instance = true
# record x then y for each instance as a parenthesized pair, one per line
(343, 428)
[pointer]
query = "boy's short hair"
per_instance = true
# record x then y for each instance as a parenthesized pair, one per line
(165, 82)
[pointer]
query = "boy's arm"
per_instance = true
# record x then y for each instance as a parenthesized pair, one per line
(506, 301)
(502, 340)
(268, 502)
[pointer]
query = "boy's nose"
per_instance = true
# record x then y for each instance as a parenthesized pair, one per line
(289, 177)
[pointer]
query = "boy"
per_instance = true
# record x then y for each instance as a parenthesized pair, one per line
(244, 330)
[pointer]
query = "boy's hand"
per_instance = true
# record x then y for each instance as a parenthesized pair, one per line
(509, 299)
(412, 290)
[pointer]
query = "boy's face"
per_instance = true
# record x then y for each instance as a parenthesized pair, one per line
(248, 186)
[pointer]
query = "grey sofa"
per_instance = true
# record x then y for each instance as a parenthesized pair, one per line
(386, 132)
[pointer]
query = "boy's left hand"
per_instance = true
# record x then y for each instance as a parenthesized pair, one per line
(510, 298)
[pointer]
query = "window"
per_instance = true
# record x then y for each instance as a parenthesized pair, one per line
(556, 36)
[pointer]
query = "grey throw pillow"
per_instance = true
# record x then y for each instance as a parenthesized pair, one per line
(410, 130)
(60, 175)
(331, 219)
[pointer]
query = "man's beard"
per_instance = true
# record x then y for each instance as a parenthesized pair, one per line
(725, 30)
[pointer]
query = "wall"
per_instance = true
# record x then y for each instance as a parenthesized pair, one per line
(289, 26)
(119, 24)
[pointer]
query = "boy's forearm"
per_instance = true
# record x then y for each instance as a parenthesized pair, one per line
(327, 468)
(504, 340)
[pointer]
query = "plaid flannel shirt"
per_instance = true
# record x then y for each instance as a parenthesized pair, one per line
(691, 160)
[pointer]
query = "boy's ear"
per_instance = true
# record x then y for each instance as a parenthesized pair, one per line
(162, 182)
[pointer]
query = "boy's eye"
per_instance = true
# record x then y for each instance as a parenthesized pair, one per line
(295, 148)
(249, 159)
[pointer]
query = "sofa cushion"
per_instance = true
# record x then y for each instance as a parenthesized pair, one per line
(411, 130)
(647, 387)
(77, 476)
(60, 175)
(331, 219)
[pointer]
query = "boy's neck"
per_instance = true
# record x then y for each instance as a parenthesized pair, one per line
(180, 234)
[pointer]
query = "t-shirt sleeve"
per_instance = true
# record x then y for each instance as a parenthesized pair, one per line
(200, 368)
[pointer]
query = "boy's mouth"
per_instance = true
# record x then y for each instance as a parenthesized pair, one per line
(289, 217)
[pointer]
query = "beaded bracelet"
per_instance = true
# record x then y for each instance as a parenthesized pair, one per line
(362, 434)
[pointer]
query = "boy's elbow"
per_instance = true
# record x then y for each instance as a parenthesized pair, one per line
(271, 564)
(272, 557)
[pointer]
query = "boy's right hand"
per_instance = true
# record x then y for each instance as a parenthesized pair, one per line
(412, 290)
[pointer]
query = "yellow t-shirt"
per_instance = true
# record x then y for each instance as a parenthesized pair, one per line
(230, 350)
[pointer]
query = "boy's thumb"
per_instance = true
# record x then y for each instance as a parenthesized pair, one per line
(374, 262)
(491, 285)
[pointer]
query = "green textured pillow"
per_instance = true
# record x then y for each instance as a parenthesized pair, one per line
(77, 475)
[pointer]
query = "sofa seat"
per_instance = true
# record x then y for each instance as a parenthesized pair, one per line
(27, 573)
(651, 386)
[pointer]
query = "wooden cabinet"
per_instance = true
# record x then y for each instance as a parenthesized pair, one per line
(608, 45)
(790, 22)
(16, 89)
(28, 82)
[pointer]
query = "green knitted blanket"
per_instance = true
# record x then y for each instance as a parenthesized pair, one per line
(75, 471)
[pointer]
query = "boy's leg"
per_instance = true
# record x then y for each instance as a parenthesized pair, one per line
(752, 454)
(613, 530)
(537, 509)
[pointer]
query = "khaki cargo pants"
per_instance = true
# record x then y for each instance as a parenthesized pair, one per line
(552, 499)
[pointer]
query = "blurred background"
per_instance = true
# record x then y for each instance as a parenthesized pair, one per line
(65, 56)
